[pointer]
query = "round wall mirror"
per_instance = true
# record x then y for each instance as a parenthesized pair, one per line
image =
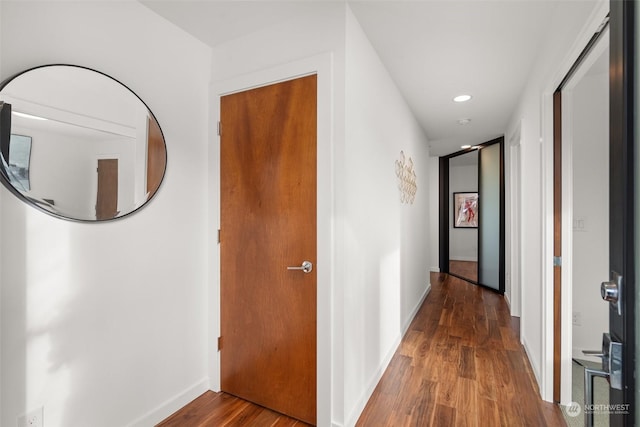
(78, 144)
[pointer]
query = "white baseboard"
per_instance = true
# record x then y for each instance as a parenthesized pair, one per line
(435, 269)
(364, 398)
(416, 308)
(536, 372)
(171, 405)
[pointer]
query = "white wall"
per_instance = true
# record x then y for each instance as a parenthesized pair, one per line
(463, 242)
(106, 324)
(590, 106)
(532, 114)
(386, 243)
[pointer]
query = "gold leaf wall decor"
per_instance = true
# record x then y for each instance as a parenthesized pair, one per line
(406, 179)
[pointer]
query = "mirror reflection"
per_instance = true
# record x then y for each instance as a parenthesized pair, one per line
(81, 145)
(463, 227)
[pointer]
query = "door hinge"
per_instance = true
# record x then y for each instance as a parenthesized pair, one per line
(557, 261)
(218, 128)
(218, 235)
(219, 343)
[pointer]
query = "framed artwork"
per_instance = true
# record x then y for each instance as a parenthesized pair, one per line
(19, 160)
(465, 210)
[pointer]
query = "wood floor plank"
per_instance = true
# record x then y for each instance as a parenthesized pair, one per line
(444, 416)
(229, 408)
(467, 363)
(423, 406)
(467, 410)
(195, 413)
(488, 412)
(265, 418)
(245, 417)
(486, 376)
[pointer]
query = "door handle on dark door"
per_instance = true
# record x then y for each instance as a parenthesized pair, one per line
(306, 267)
(609, 292)
(612, 291)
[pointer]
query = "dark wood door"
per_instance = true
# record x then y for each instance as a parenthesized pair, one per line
(107, 197)
(268, 223)
(557, 243)
(622, 203)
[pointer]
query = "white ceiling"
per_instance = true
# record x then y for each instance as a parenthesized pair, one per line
(433, 49)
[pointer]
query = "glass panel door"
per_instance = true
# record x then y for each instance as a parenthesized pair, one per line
(491, 217)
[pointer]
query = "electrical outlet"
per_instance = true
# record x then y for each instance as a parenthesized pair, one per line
(577, 318)
(33, 418)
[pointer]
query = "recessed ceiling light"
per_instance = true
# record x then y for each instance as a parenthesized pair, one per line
(463, 122)
(464, 147)
(462, 98)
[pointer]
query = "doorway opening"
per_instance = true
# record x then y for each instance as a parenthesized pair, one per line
(472, 215)
(581, 224)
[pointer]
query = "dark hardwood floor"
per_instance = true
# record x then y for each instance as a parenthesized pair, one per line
(221, 409)
(466, 269)
(459, 364)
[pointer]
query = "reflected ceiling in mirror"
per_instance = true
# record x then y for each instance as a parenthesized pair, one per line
(78, 144)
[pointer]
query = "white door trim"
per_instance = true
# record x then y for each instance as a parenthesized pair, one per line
(546, 137)
(567, 217)
(514, 221)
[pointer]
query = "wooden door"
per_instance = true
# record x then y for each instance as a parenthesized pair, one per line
(107, 197)
(268, 223)
(557, 243)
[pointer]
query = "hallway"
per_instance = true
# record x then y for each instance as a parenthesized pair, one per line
(460, 364)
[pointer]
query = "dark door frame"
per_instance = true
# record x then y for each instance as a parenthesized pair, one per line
(443, 223)
(622, 137)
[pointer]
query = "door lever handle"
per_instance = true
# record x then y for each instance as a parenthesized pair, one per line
(306, 267)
